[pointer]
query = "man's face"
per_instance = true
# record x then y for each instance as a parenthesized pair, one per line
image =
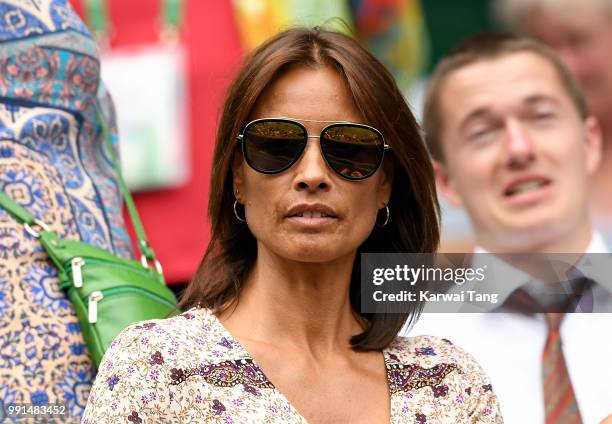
(518, 154)
(581, 34)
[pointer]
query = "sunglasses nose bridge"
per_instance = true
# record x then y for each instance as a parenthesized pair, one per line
(312, 168)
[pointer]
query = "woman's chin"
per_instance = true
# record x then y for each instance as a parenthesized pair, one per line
(311, 252)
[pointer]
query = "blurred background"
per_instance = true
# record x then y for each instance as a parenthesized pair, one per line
(168, 63)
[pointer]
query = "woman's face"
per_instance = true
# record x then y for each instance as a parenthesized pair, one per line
(283, 211)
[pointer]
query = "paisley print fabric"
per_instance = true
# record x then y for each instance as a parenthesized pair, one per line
(26, 18)
(189, 369)
(54, 163)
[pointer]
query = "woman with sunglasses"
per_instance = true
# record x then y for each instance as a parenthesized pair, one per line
(317, 160)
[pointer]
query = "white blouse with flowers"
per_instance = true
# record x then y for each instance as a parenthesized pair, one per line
(190, 369)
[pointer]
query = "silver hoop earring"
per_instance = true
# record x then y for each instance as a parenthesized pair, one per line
(236, 212)
(387, 217)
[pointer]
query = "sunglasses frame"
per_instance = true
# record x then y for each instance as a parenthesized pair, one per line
(242, 141)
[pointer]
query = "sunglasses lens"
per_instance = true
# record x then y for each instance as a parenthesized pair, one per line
(273, 146)
(353, 151)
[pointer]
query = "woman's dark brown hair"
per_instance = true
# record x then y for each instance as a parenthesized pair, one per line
(414, 224)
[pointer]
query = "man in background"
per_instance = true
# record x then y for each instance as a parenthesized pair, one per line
(513, 143)
(580, 31)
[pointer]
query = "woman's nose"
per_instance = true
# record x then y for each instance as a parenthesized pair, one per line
(312, 172)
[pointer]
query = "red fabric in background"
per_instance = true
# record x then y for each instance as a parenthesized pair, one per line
(176, 220)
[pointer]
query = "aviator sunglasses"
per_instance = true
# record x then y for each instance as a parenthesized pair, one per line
(272, 145)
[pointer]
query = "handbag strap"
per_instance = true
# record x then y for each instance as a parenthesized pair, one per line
(21, 214)
(32, 225)
(147, 253)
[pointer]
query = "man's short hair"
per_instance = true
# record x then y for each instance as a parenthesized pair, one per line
(482, 47)
(512, 13)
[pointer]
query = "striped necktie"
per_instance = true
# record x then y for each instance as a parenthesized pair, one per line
(559, 398)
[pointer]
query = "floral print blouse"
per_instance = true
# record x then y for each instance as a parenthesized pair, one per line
(189, 368)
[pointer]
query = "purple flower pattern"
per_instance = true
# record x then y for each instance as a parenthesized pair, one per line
(212, 378)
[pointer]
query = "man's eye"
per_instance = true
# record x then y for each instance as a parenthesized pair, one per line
(544, 116)
(479, 133)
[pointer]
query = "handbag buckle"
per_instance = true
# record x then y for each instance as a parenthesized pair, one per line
(92, 306)
(77, 275)
(31, 231)
(145, 263)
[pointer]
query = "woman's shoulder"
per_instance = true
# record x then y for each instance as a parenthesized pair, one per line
(145, 363)
(183, 326)
(432, 369)
(194, 334)
(430, 350)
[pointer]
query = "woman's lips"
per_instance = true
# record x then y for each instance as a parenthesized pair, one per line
(312, 220)
(312, 215)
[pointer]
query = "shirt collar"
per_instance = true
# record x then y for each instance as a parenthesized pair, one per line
(596, 245)
(509, 278)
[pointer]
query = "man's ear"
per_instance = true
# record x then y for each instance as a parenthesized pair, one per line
(238, 177)
(593, 144)
(445, 184)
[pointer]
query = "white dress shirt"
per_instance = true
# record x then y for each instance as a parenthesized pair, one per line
(509, 348)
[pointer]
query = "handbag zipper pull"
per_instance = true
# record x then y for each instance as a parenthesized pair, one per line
(77, 276)
(94, 298)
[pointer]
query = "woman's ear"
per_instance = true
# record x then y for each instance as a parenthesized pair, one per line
(238, 176)
(386, 183)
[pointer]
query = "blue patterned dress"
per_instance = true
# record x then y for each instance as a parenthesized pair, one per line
(53, 162)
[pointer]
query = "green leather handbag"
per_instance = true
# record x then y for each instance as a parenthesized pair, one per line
(108, 292)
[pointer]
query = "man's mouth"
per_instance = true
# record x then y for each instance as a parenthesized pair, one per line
(526, 186)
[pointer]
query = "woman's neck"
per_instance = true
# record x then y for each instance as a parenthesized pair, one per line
(302, 305)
